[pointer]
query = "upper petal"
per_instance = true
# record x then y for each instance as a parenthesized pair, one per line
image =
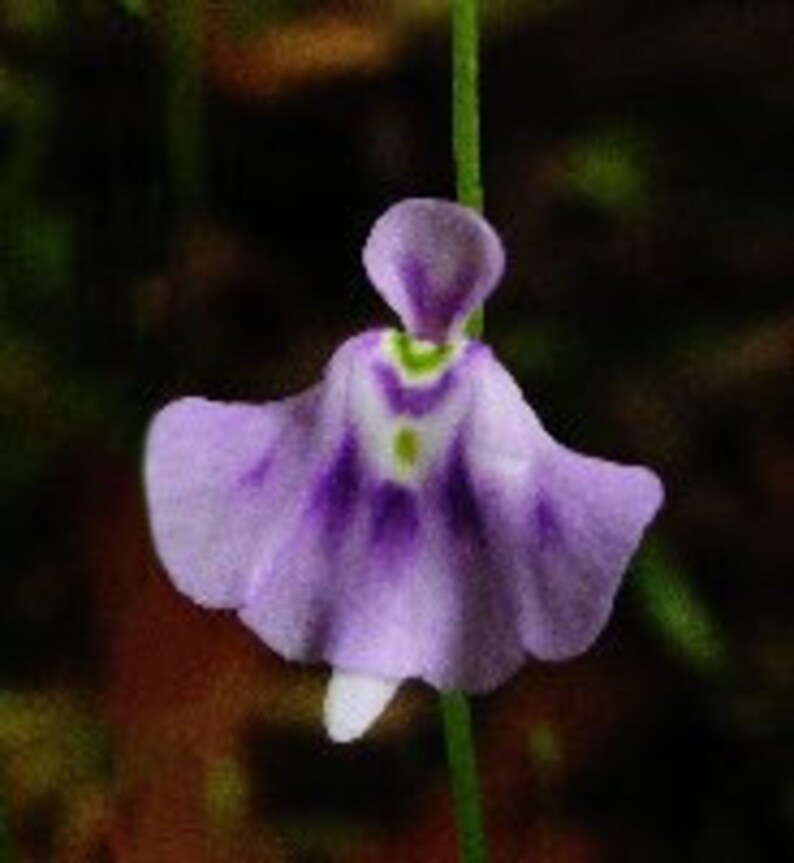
(434, 262)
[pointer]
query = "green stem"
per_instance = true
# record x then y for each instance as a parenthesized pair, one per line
(466, 147)
(463, 773)
(185, 132)
(466, 117)
(465, 102)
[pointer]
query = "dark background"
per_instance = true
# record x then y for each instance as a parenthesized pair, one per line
(183, 199)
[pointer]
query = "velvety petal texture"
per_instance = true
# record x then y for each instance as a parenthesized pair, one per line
(409, 517)
(434, 263)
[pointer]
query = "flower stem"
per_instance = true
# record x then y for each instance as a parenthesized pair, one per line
(466, 118)
(185, 131)
(466, 148)
(463, 773)
(465, 102)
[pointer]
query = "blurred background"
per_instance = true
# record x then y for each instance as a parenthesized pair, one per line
(184, 190)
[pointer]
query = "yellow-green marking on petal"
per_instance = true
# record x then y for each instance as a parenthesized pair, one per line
(419, 358)
(407, 447)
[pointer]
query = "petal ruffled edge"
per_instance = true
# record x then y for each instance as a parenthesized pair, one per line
(218, 480)
(563, 525)
(585, 518)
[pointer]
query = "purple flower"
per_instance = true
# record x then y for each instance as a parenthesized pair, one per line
(409, 516)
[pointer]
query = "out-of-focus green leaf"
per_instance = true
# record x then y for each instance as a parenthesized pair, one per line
(185, 105)
(54, 740)
(252, 16)
(36, 255)
(607, 169)
(5, 838)
(134, 7)
(544, 746)
(226, 792)
(45, 405)
(59, 761)
(31, 16)
(26, 105)
(677, 613)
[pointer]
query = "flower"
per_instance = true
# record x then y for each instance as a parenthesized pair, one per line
(409, 516)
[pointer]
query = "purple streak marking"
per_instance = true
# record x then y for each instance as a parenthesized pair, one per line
(395, 521)
(414, 276)
(436, 306)
(462, 510)
(255, 476)
(547, 530)
(414, 400)
(338, 490)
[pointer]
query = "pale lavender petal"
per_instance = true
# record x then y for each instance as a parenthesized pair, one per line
(434, 263)
(296, 585)
(425, 526)
(563, 526)
(219, 480)
(226, 483)
(584, 519)
(383, 572)
(512, 544)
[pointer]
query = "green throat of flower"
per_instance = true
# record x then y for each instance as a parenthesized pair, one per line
(418, 359)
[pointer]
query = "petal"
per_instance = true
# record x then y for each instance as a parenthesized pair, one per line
(225, 483)
(390, 581)
(426, 528)
(434, 263)
(220, 479)
(563, 526)
(368, 580)
(585, 518)
(291, 603)
(354, 702)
